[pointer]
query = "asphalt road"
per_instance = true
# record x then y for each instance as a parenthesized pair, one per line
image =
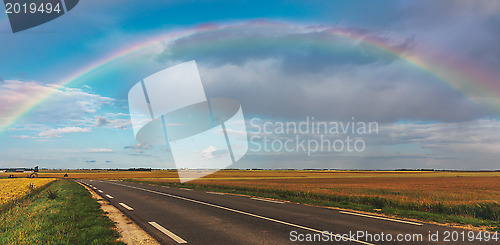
(176, 215)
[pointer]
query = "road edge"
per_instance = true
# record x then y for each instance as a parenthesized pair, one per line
(130, 232)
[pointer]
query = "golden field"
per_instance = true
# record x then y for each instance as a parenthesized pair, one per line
(402, 186)
(447, 197)
(13, 189)
(429, 187)
(456, 197)
(97, 174)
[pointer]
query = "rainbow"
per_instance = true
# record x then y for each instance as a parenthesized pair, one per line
(477, 84)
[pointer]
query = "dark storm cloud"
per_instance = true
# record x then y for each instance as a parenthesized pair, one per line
(296, 71)
(468, 29)
(384, 93)
(301, 51)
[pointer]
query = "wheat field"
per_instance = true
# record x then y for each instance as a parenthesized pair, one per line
(16, 188)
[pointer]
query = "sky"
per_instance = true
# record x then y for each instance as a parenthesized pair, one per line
(424, 72)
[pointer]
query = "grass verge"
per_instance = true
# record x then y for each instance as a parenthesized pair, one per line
(481, 215)
(71, 217)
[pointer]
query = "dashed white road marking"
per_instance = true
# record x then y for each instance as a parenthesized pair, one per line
(100, 191)
(126, 206)
(266, 200)
(109, 196)
(186, 189)
(241, 212)
(382, 218)
(167, 232)
(216, 193)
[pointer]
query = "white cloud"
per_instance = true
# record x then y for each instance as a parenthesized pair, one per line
(459, 138)
(30, 127)
(118, 123)
(472, 144)
(52, 133)
(139, 146)
(22, 137)
(101, 121)
(49, 103)
(479, 148)
(99, 150)
(213, 153)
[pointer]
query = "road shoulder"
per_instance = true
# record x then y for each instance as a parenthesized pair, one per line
(130, 232)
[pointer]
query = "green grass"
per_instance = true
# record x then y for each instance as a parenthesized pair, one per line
(484, 215)
(72, 217)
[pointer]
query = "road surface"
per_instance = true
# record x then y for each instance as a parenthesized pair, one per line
(177, 216)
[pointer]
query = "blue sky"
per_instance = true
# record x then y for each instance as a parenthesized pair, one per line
(286, 71)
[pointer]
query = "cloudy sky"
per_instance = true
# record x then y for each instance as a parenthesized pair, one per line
(425, 71)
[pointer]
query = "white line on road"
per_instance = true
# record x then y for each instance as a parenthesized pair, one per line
(241, 212)
(126, 206)
(216, 193)
(100, 191)
(382, 218)
(161, 186)
(109, 196)
(265, 200)
(186, 189)
(167, 232)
